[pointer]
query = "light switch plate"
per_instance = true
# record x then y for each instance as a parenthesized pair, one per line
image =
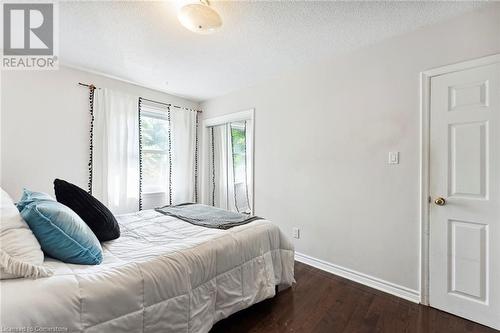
(296, 233)
(393, 157)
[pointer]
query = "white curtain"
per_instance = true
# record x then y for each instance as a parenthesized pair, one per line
(115, 166)
(238, 160)
(230, 166)
(183, 127)
(218, 167)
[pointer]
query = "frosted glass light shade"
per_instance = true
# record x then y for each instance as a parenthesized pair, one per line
(199, 18)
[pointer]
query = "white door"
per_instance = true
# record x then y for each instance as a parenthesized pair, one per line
(465, 173)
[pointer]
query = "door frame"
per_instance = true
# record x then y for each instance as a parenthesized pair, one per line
(425, 110)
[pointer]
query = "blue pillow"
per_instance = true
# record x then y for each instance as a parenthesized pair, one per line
(31, 196)
(62, 234)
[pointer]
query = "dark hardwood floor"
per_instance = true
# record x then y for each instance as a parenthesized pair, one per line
(322, 302)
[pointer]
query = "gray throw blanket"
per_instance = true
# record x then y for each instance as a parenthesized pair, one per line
(207, 216)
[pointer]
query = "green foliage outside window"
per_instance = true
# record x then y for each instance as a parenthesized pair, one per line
(154, 135)
(238, 139)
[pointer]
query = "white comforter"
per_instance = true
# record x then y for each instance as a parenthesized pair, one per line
(161, 275)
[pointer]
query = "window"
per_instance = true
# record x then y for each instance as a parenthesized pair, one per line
(228, 172)
(168, 154)
(239, 165)
(155, 163)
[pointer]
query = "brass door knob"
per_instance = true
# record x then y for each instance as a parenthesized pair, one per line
(440, 201)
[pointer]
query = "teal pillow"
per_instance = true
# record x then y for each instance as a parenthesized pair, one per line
(31, 196)
(62, 234)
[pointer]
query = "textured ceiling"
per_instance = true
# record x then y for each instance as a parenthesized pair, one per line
(143, 41)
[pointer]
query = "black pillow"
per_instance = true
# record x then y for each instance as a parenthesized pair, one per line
(97, 216)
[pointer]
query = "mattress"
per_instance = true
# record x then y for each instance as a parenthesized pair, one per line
(161, 275)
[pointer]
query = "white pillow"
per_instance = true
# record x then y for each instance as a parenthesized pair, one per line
(20, 252)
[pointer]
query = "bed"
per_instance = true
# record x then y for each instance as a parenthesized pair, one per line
(161, 275)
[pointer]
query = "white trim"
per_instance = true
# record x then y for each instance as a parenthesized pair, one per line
(425, 86)
(229, 118)
(483, 61)
(365, 279)
(424, 188)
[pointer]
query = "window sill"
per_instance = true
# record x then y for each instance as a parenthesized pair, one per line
(153, 193)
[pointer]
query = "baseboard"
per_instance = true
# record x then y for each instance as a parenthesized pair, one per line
(367, 280)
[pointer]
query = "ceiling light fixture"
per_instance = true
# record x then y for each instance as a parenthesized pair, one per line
(200, 17)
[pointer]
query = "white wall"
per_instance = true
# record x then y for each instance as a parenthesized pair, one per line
(322, 138)
(45, 124)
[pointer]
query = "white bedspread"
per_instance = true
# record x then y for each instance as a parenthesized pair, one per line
(161, 275)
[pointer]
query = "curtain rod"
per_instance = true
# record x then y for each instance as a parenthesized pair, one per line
(91, 86)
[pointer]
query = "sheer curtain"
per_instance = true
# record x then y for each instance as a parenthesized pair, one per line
(183, 127)
(115, 162)
(180, 149)
(218, 167)
(239, 173)
(230, 166)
